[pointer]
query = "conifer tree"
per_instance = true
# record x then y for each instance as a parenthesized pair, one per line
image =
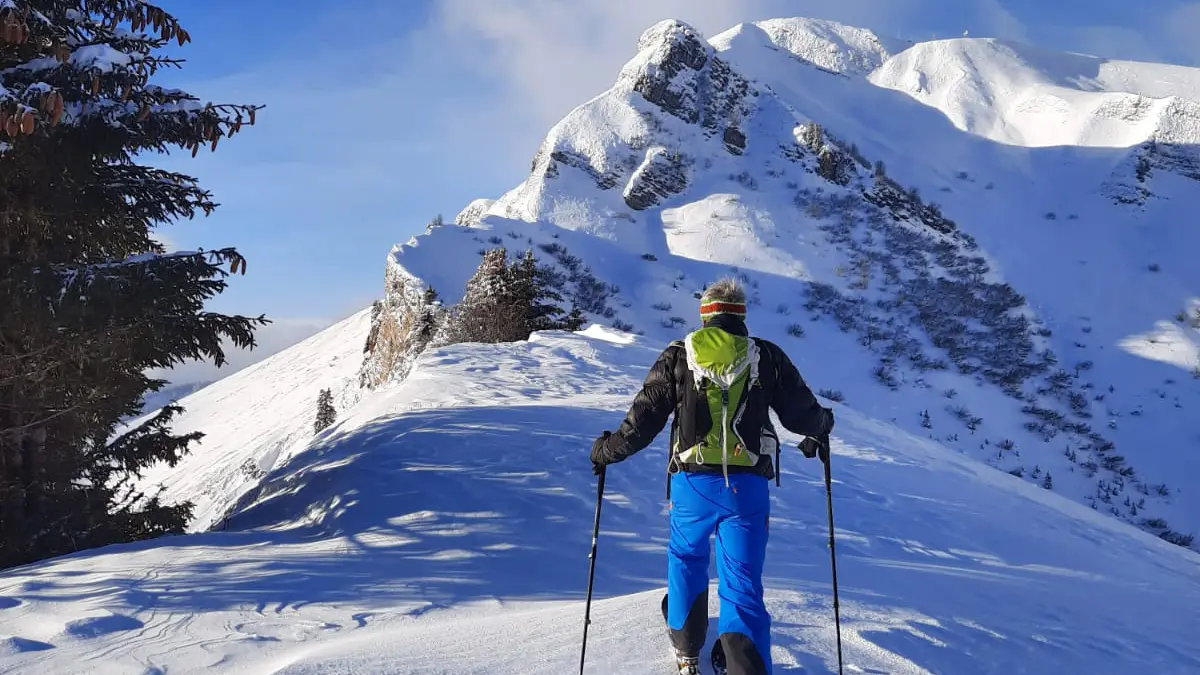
(326, 413)
(575, 320)
(89, 301)
(429, 322)
(483, 315)
(506, 302)
(534, 297)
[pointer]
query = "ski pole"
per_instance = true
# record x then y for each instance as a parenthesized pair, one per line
(837, 619)
(587, 614)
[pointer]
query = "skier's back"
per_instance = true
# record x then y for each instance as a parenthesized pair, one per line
(720, 384)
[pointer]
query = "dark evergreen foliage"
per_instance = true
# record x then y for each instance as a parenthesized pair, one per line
(506, 301)
(90, 302)
(326, 413)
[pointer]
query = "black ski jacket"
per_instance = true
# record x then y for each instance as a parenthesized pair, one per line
(669, 388)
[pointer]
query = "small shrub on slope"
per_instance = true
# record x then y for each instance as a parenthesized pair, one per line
(833, 395)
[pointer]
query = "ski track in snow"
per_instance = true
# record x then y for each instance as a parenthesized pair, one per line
(443, 527)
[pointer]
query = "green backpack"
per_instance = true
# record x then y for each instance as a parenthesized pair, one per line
(724, 367)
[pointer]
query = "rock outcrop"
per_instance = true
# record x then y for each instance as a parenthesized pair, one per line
(661, 176)
(401, 327)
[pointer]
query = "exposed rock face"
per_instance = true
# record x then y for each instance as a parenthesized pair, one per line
(605, 180)
(735, 140)
(661, 175)
(678, 73)
(727, 101)
(398, 331)
(671, 55)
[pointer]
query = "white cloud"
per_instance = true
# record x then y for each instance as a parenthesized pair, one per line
(272, 339)
(1114, 42)
(999, 22)
(553, 56)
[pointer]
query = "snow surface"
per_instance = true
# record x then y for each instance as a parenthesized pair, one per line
(1028, 152)
(1020, 95)
(442, 526)
(259, 417)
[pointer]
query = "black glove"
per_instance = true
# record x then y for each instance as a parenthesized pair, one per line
(600, 453)
(816, 446)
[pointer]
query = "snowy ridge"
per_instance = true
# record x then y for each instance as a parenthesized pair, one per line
(442, 527)
(1020, 95)
(704, 160)
(830, 46)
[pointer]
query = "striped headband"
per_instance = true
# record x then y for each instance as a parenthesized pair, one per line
(711, 308)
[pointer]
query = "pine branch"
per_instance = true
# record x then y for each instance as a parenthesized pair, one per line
(91, 300)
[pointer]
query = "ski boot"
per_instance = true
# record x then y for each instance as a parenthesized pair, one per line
(688, 665)
(718, 659)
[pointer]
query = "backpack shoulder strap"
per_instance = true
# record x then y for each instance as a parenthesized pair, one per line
(754, 355)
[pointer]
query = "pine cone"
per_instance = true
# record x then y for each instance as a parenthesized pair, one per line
(56, 116)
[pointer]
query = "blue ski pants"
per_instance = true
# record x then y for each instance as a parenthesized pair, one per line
(702, 505)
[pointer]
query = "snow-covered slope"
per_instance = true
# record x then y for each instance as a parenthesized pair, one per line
(1043, 317)
(1021, 95)
(442, 527)
(985, 243)
(259, 417)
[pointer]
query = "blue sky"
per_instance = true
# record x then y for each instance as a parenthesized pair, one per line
(381, 114)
